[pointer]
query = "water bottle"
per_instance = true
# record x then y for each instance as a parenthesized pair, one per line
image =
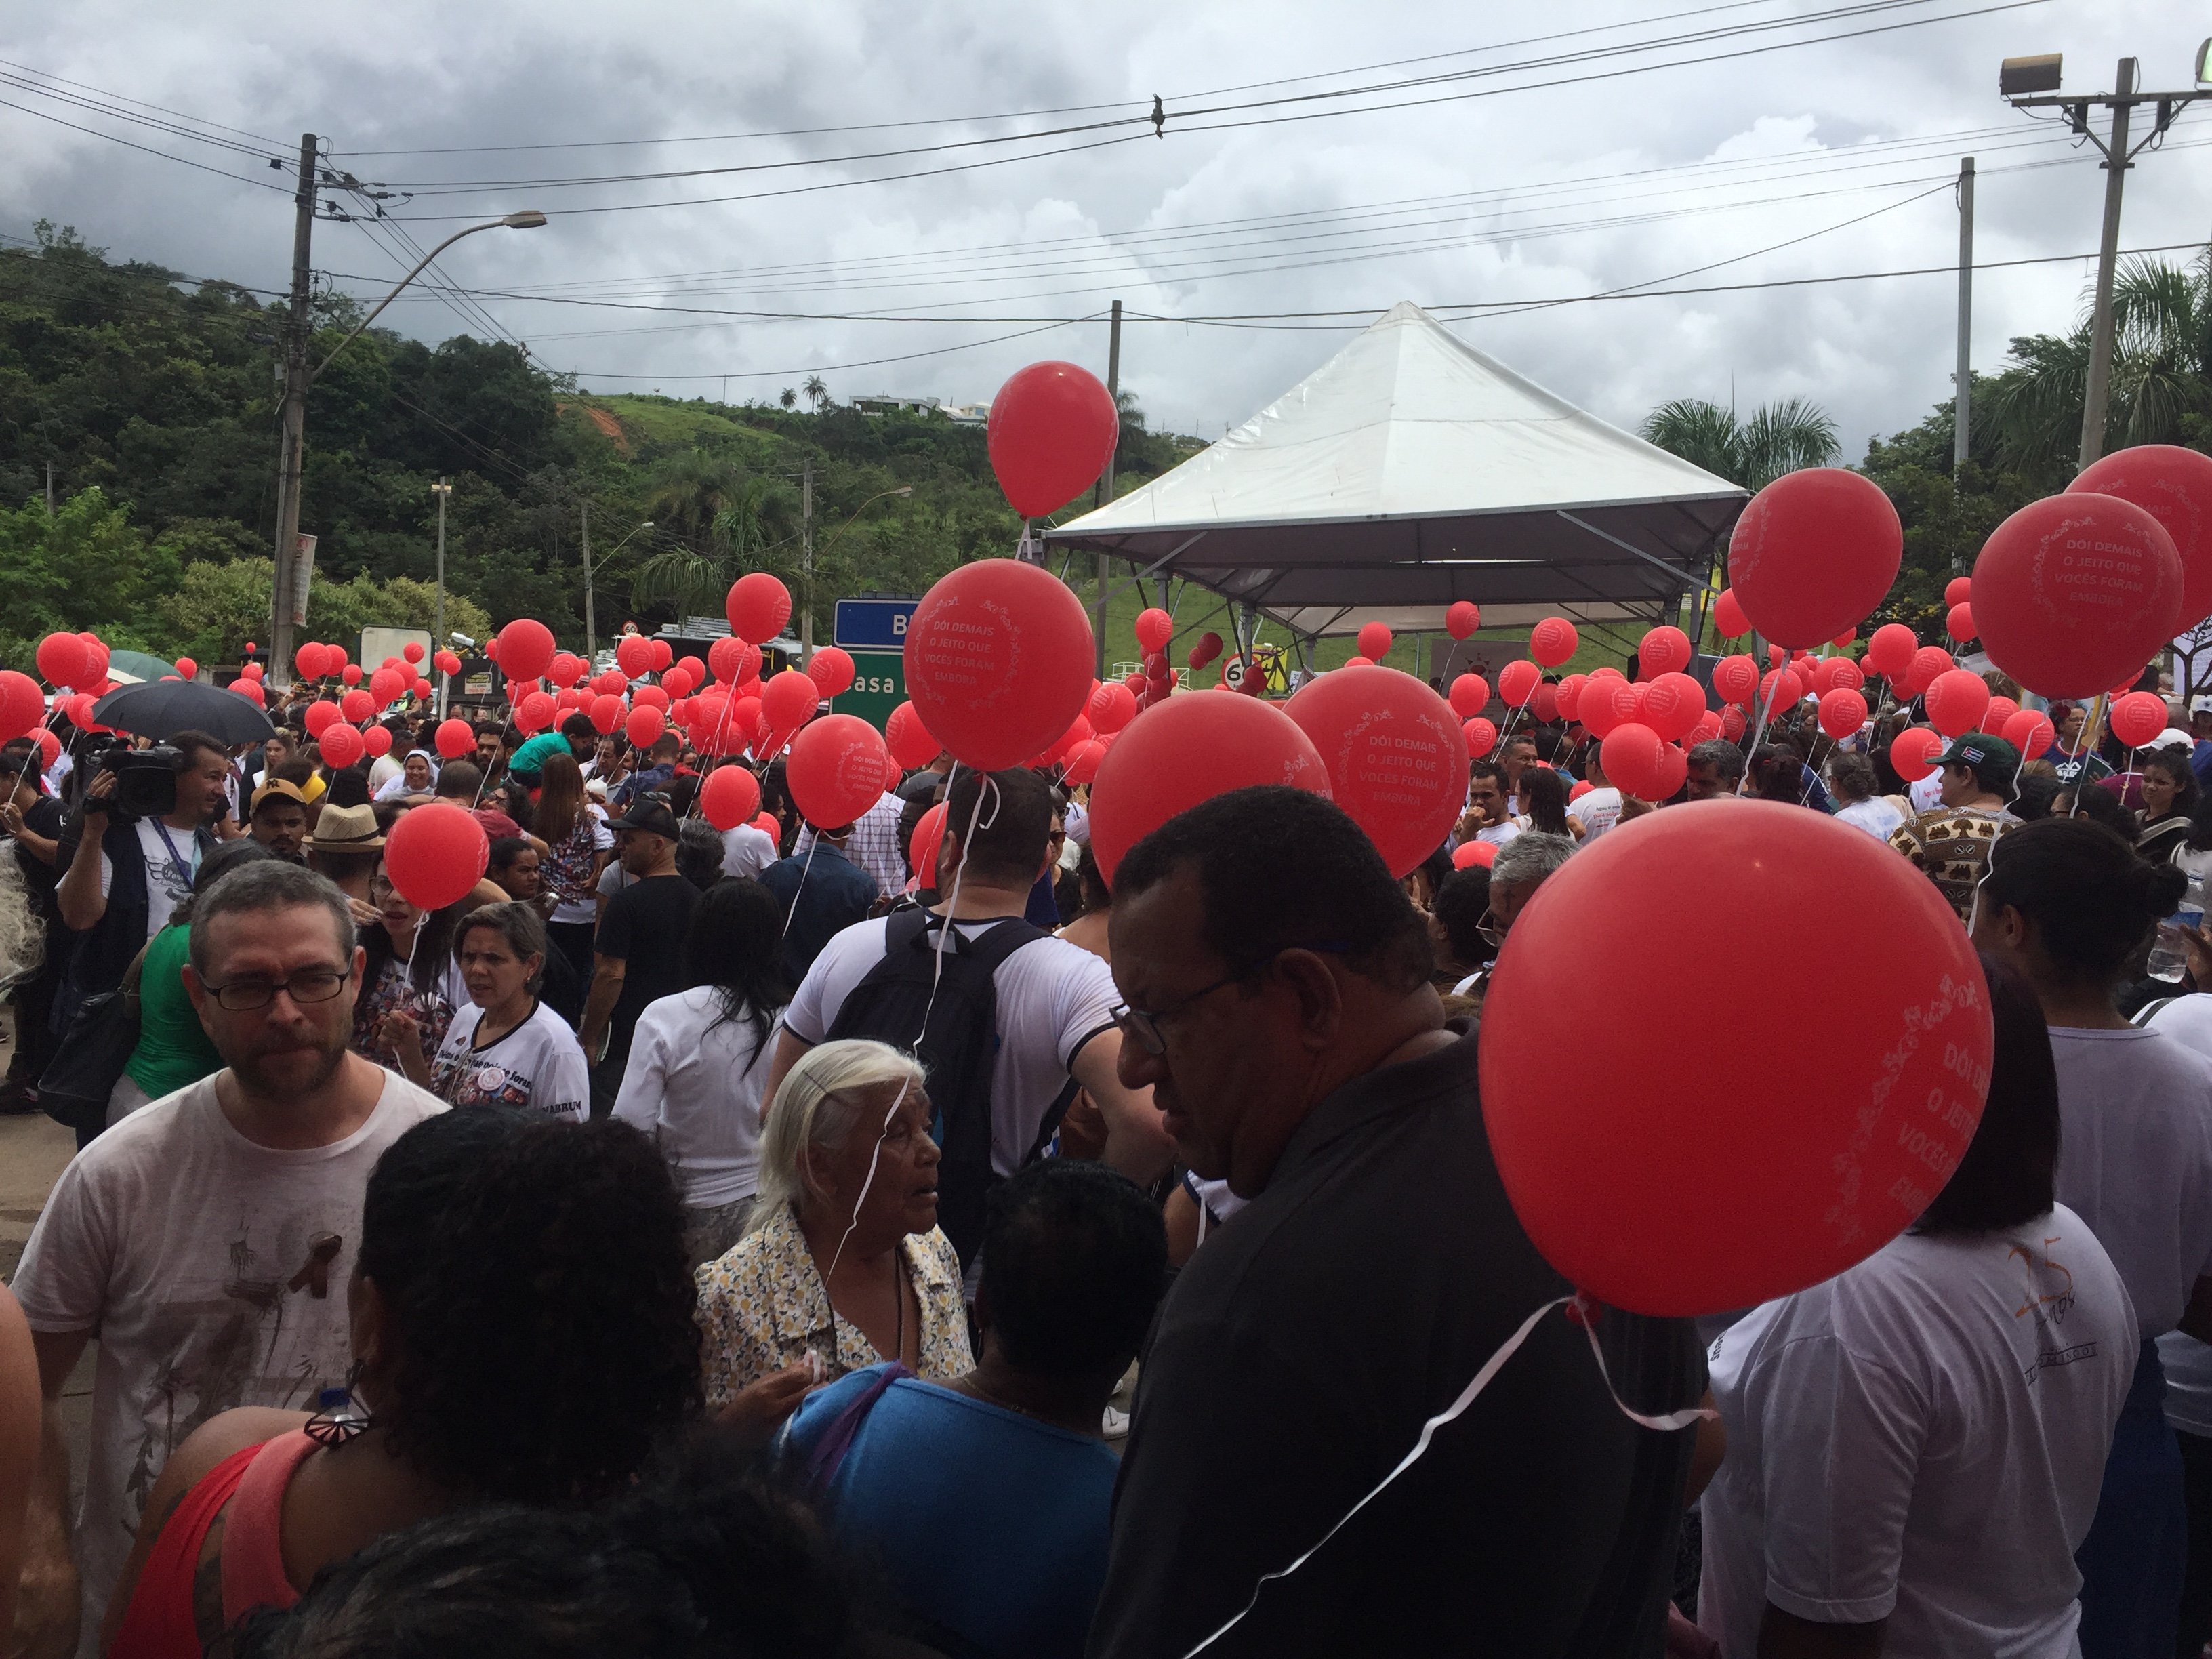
(2169, 951)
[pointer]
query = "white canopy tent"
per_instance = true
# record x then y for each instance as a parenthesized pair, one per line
(1411, 471)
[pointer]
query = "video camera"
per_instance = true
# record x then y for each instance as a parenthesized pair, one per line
(145, 779)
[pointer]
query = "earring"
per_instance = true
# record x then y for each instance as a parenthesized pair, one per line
(338, 1418)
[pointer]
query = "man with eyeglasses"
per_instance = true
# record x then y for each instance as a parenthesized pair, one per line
(209, 1237)
(1280, 1010)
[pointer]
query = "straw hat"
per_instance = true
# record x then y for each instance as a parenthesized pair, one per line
(346, 830)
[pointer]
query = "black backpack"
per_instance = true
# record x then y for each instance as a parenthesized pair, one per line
(957, 1051)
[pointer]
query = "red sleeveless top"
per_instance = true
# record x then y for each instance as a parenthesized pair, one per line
(158, 1625)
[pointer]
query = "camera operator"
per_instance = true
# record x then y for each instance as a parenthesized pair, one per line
(131, 853)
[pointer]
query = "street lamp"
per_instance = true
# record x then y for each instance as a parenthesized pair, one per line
(591, 621)
(441, 489)
(528, 219)
(806, 616)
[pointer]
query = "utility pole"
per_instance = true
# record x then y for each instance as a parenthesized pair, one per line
(1106, 482)
(2020, 77)
(807, 562)
(591, 621)
(50, 492)
(1962, 399)
(295, 420)
(441, 489)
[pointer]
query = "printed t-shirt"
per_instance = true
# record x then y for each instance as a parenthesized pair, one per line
(1597, 812)
(173, 859)
(539, 1067)
(1874, 815)
(213, 1269)
(568, 870)
(1052, 997)
(1921, 1439)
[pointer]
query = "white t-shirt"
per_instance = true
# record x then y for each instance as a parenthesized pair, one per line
(697, 1083)
(384, 768)
(1874, 815)
(2135, 1159)
(1927, 794)
(747, 851)
(192, 1252)
(1498, 834)
(539, 1067)
(1597, 812)
(168, 879)
(1921, 1439)
(1052, 997)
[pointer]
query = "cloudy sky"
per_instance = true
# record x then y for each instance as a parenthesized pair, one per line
(1279, 188)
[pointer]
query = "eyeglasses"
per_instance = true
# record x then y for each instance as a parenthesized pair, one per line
(1143, 1024)
(309, 985)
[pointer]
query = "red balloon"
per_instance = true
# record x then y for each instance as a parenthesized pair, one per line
(565, 669)
(413, 651)
(1727, 616)
(997, 660)
(421, 690)
(1481, 738)
(1552, 642)
(832, 671)
(50, 749)
(1958, 698)
(455, 737)
(1733, 721)
(1374, 641)
(1663, 650)
(525, 649)
(644, 727)
(789, 701)
(677, 680)
(730, 796)
(663, 655)
(1461, 618)
(534, 714)
(1782, 689)
(320, 716)
(633, 655)
(1517, 681)
(1958, 590)
(1813, 555)
(376, 741)
(308, 662)
(1155, 627)
(435, 855)
(1470, 696)
(1473, 855)
(357, 705)
(95, 661)
(253, 671)
(1674, 771)
(1890, 652)
(1052, 430)
(2073, 591)
(922, 847)
(1112, 707)
(649, 696)
(1928, 662)
(1207, 648)
(766, 824)
(342, 745)
(606, 713)
(186, 668)
(1736, 679)
(733, 659)
(758, 606)
(1672, 704)
(350, 673)
(2030, 731)
(1842, 712)
(1999, 715)
(2175, 486)
(252, 691)
(22, 705)
(1960, 623)
(385, 685)
(1395, 755)
(1633, 757)
(1846, 674)
(911, 743)
(63, 660)
(1544, 705)
(2137, 717)
(448, 663)
(1913, 753)
(1567, 696)
(1607, 704)
(1677, 1202)
(1187, 750)
(1083, 762)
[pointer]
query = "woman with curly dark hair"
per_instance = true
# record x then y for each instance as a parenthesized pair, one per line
(520, 1313)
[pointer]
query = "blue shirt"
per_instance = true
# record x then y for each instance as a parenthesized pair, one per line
(2200, 760)
(989, 1524)
(821, 894)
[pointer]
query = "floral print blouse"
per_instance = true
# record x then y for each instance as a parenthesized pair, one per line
(391, 991)
(763, 1305)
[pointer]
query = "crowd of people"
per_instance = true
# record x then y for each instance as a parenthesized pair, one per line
(770, 1240)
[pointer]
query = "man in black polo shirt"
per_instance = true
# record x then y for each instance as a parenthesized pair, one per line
(1279, 1007)
(638, 955)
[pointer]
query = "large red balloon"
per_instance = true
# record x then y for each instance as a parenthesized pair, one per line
(1672, 703)
(1727, 616)
(1633, 756)
(1375, 641)
(350, 673)
(910, 742)
(308, 662)
(534, 714)
(832, 671)
(1550, 642)
(1813, 555)
(1930, 663)
(525, 649)
(342, 745)
(788, 702)
(731, 797)
(1395, 755)
(1517, 681)
(1843, 711)
(456, 737)
(1663, 650)
(1191, 748)
(1913, 753)
(1606, 704)
(1470, 696)
(2175, 486)
(1461, 618)
(2075, 592)
(1736, 679)
(320, 715)
(2137, 717)
(606, 713)
(435, 855)
(1670, 1198)
(1481, 736)
(1112, 707)
(1155, 627)
(644, 727)
(758, 606)
(357, 705)
(1958, 698)
(633, 655)
(375, 742)
(1052, 430)
(1889, 653)
(22, 705)
(63, 660)
(2030, 731)
(998, 661)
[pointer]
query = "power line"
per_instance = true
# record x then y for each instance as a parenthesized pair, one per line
(167, 155)
(117, 97)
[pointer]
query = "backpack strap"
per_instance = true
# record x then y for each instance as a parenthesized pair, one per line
(1050, 1127)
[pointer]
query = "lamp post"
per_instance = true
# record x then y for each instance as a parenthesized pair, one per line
(591, 621)
(441, 489)
(298, 378)
(806, 615)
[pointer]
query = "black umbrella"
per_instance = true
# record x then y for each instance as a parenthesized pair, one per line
(161, 708)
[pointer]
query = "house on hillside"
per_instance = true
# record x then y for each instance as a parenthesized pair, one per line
(883, 404)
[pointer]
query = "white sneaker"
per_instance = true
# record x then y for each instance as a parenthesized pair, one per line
(1116, 1425)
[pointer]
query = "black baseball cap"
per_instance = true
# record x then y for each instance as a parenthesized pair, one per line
(651, 816)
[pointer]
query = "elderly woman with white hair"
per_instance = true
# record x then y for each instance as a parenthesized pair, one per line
(843, 1265)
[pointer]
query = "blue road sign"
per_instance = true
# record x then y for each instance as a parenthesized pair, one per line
(873, 624)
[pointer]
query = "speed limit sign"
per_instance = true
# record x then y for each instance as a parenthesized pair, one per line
(1234, 671)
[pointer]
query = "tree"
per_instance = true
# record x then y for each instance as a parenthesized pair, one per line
(1779, 438)
(817, 393)
(726, 520)
(789, 398)
(86, 567)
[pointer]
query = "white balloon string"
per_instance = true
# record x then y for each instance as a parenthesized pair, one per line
(801, 888)
(953, 899)
(1584, 1313)
(1758, 732)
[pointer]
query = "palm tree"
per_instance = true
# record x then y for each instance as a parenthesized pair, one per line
(817, 393)
(2161, 371)
(1779, 438)
(725, 521)
(789, 399)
